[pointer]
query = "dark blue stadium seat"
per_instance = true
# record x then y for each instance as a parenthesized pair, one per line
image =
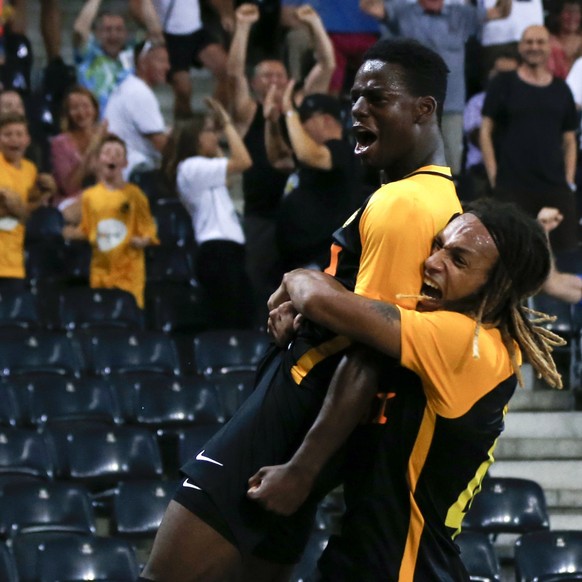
(169, 264)
(153, 183)
(44, 223)
(173, 222)
(37, 352)
(225, 351)
(307, 566)
(233, 389)
(76, 261)
(76, 559)
(45, 507)
(549, 555)
(18, 309)
(8, 572)
(508, 505)
(44, 260)
(479, 557)
(11, 413)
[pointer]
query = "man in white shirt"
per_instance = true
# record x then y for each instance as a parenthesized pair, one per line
(133, 111)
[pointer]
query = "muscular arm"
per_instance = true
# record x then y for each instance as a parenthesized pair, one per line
(284, 488)
(486, 136)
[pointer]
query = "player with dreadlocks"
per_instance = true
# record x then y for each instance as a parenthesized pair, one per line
(411, 472)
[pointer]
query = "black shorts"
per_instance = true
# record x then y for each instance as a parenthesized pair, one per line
(183, 49)
(266, 430)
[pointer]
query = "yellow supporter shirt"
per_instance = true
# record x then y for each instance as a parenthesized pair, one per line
(110, 219)
(19, 180)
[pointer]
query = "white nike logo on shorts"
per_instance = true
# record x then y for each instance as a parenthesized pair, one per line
(200, 457)
(186, 484)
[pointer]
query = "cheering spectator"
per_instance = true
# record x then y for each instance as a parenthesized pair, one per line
(566, 40)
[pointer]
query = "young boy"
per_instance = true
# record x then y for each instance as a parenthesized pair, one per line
(17, 179)
(116, 219)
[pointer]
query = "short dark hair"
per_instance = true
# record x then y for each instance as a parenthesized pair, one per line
(10, 118)
(113, 138)
(425, 71)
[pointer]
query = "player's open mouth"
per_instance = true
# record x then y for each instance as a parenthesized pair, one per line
(431, 289)
(364, 138)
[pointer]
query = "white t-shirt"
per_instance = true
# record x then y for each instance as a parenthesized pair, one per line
(132, 113)
(574, 80)
(184, 17)
(523, 13)
(202, 189)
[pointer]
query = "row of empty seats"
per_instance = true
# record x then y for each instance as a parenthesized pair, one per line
(107, 352)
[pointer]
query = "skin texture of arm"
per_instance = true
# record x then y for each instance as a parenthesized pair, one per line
(144, 12)
(501, 10)
(84, 22)
(570, 150)
(279, 154)
(283, 488)
(487, 150)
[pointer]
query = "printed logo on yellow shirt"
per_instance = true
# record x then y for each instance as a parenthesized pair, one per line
(110, 234)
(8, 223)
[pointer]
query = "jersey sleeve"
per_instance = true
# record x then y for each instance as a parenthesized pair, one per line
(438, 347)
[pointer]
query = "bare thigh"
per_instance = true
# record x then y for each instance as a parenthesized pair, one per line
(187, 549)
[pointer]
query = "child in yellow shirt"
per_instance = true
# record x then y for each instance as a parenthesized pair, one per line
(17, 180)
(116, 220)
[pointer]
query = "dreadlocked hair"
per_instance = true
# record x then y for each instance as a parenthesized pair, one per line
(523, 266)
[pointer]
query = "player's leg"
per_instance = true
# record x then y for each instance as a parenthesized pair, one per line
(187, 549)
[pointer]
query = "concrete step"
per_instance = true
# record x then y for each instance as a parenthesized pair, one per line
(543, 425)
(550, 474)
(567, 501)
(525, 399)
(568, 520)
(538, 448)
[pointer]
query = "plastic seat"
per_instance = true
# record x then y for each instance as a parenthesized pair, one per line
(77, 261)
(164, 404)
(508, 505)
(18, 309)
(46, 222)
(44, 260)
(61, 400)
(11, 413)
(548, 555)
(85, 308)
(478, 556)
(173, 222)
(100, 457)
(153, 183)
(138, 507)
(24, 456)
(307, 566)
(176, 308)
(225, 351)
(127, 352)
(167, 263)
(74, 559)
(8, 572)
(233, 389)
(45, 507)
(36, 352)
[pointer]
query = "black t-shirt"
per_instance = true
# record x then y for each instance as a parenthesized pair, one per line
(529, 125)
(319, 202)
(262, 185)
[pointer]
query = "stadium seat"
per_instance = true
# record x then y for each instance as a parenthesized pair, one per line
(138, 507)
(163, 403)
(44, 223)
(18, 309)
(37, 352)
(129, 352)
(44, 260)
(77, 261)
(63, 400)
(225, 351)
(45, 507)
(176, 308)
(478, 556)
(548, 555)
(11, 413)
(76, 559)
(508, 505)
(173, 222)
(24, 456)
(233, 389)
(153, 184)
(8, 572)
(85, 308)
(169, 264)
(307, 566)
(100, 457)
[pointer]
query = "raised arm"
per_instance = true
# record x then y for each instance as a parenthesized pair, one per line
(244, 106)
(279, 154)
(145, 13)
(307, 151)
(239, 159)
(318, 79)
(84, 22)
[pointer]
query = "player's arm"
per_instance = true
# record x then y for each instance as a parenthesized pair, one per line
(284, 488)
(487, 149)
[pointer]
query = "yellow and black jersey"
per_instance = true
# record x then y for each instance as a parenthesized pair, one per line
(410, 481)
(380, 253)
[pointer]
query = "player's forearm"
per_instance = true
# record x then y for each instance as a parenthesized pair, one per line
(347, 401)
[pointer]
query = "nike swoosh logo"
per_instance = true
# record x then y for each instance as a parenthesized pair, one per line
(200, 457)
(186, 484)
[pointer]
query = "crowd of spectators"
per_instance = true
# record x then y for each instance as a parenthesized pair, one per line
(281, 74)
